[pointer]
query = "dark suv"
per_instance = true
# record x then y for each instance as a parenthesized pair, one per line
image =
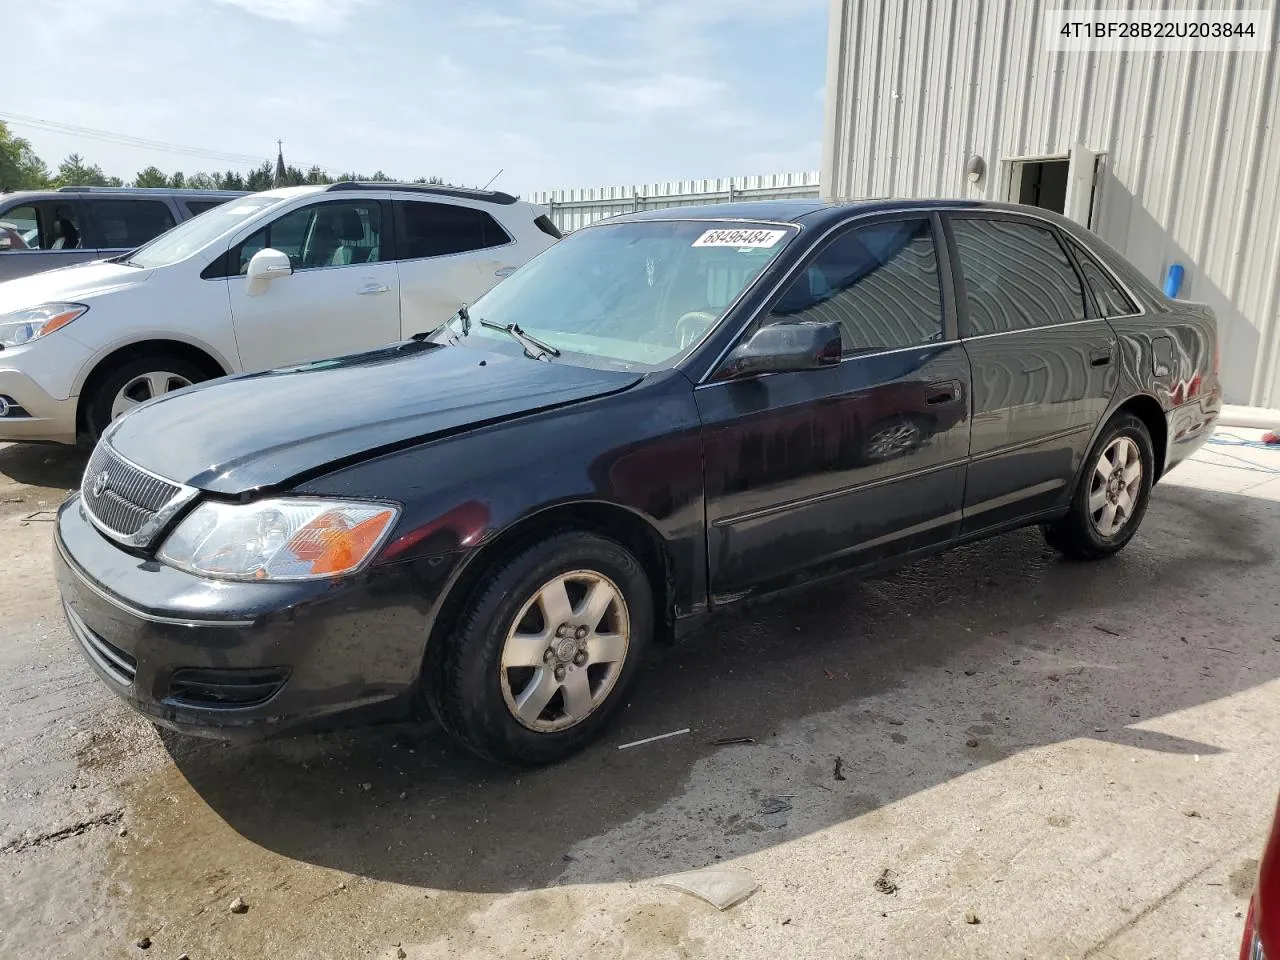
(44, 229)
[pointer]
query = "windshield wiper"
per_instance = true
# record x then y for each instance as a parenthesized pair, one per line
(461, 313)
(531, 344)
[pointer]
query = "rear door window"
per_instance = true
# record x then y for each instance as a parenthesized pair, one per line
(440, 229)
(197, 207)
(124, 224)
(1016, 276)
(1112, 300)
(46, 225)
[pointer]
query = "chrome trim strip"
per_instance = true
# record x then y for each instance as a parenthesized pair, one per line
(870, 354)
(1047, 486)
(134, 611)
(833, 494)
(1027, 444)
(145, 534)
(1047, 326)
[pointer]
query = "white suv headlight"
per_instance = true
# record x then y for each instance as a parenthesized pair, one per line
(23, 326)
(283, 539)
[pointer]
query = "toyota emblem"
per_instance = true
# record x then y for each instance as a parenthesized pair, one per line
(100, 484)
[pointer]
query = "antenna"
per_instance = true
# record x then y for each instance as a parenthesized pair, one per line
(493, 178)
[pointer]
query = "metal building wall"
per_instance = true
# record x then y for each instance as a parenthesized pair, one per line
(571, 209)
(1191, 172)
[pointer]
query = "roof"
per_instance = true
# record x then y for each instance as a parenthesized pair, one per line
(63, 192)
(435, 189)
(817, 212)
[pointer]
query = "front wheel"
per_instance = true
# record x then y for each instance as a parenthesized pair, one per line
(134, 382)
(543, 655)
(1111, 498)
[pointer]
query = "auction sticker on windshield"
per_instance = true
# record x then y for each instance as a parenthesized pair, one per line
(740, 238)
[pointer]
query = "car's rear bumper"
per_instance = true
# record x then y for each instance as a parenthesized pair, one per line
(240, 660)
(1189, 426)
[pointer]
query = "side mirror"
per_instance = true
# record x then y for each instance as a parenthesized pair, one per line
(268, 264)
(785, 347)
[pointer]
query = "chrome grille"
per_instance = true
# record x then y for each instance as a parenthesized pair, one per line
(126, 502)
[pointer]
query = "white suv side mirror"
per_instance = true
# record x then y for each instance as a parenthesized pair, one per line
(268, 264)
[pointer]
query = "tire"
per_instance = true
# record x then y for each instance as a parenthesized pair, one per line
(488, 703)
(1085, 533)
(135, 375)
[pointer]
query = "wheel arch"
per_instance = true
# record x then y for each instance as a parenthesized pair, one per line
(198, 355)
(614, 521)
(1147, 409)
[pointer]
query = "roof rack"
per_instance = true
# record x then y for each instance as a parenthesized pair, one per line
(165, 190)
(462, 193)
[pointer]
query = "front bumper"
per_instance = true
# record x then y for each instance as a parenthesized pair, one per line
(33, 414)
(242, 660)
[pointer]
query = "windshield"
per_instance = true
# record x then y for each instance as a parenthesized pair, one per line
(195, 234)
(643, 293)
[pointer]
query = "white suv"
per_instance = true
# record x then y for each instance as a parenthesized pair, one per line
(266, 280)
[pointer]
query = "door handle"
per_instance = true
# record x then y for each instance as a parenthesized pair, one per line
(504, 271)
(1100, 358)
(373, 288)
(945, 392)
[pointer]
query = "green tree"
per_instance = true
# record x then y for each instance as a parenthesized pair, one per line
(429, 180)
(261, 177)
(151, 177)
(231, 180)
(178, 181)
(74, 172)
(20, 168)
(201, 181)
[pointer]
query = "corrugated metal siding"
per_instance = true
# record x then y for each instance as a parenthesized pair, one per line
(571, 209)
(1190, 143)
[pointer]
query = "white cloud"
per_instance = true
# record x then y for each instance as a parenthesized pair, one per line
(663, 93)
(309, 14)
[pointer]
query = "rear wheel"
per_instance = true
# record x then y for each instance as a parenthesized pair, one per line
(135, 382)
(543, 655)
(1111, 498)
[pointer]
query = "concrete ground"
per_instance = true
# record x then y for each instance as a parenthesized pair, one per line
(1080, 758)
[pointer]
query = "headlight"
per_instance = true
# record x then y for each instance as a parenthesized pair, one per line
(22, 326)
(285, 539)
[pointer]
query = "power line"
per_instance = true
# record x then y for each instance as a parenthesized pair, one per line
(143, 142)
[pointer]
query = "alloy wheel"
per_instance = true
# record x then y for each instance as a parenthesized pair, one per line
(1115, 486)
(144, 387)
(565, 651)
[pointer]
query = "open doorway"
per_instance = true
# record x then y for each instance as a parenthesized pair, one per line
(1064, 184)
(1041, 183)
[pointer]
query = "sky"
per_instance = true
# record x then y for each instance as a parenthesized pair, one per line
(556, 93)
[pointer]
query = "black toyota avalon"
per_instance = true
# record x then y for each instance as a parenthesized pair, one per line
(661, 416)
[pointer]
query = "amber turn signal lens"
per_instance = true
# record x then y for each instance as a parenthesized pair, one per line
(332, 546)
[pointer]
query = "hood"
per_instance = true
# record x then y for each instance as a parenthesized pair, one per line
(75, 284)
(260, 430)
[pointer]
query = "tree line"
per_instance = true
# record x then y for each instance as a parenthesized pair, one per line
(22, 169)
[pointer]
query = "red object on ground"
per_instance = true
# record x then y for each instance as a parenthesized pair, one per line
(1271, 437)
(1262, 925)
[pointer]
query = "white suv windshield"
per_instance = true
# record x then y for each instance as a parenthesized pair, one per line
(193, 235)
(643, 293)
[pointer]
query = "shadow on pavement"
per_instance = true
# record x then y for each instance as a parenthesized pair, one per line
(56, 466)
(399, 804)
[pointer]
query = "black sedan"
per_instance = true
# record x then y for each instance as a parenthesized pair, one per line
(661, 416)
